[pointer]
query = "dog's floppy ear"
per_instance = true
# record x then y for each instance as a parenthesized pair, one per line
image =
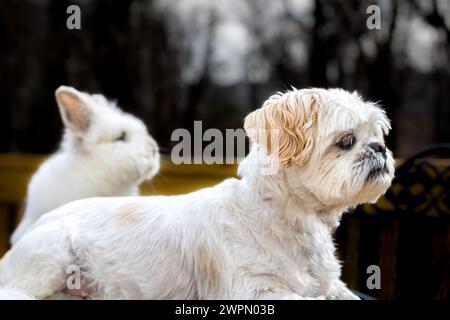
(285, 125)
(74, 110)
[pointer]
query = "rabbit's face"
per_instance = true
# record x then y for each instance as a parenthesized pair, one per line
(115, 143)
(125, 146)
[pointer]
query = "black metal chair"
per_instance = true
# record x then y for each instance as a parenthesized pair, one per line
(406, 233)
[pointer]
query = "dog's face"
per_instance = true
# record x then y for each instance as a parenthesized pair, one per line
(330, 142)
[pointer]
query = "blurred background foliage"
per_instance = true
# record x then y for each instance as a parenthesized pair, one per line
(171, 62)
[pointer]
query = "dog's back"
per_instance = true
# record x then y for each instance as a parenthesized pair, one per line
(125, 242)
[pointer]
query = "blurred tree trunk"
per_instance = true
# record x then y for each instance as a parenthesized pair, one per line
(319, 50)
(6, 80)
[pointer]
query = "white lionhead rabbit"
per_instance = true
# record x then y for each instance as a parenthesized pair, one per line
(104, 152)
(258, 237)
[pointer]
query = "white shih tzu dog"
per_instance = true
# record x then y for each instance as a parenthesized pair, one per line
(260, 237)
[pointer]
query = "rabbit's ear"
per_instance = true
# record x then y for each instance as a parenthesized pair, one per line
(74, 110)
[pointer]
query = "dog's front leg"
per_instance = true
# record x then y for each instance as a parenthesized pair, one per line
(290, 296)
(268, 288)
(282, 294)
(339, 291)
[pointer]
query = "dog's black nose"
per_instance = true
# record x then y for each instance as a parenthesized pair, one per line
(378, 147)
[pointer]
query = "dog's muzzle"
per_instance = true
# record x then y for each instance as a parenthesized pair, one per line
(374, 165)
(377, 167)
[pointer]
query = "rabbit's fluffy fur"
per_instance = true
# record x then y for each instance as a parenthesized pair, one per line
(260, 237)
(104, 152)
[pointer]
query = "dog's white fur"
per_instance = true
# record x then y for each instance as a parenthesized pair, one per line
(90, 162)
(260, 237)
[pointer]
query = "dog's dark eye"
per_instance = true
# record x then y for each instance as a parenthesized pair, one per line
(346, 142)
(122, 137)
